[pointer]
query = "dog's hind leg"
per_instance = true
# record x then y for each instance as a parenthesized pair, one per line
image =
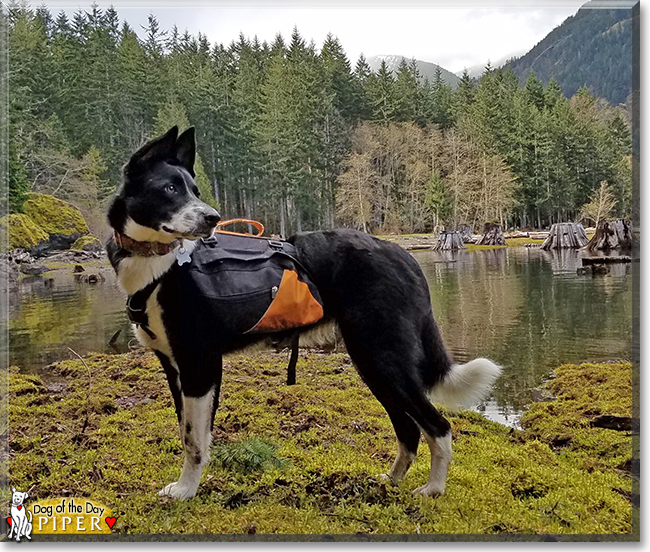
(408, 437)
(437, 432)
(198, 403)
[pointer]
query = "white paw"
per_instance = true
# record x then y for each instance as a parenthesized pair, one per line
(429, 490)
(179, 491)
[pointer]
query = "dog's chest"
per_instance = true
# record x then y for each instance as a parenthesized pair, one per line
(17, 512)
(155, 327)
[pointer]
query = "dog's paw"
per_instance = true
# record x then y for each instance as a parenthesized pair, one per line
(178, 490)
(429, 490)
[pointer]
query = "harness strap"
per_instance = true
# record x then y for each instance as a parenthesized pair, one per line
(136, 307)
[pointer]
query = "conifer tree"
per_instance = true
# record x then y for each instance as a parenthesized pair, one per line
(171, 113)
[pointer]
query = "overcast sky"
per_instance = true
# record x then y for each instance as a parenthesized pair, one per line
(455, 35)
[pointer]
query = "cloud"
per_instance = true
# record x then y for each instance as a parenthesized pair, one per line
(431, 31)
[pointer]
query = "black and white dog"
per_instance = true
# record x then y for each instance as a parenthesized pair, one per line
(373, 290)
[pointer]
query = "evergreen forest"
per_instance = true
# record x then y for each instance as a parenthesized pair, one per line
(297, 135)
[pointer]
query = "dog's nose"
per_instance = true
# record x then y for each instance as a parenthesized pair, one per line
(211, 218)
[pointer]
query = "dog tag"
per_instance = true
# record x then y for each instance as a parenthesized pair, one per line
(183, 256)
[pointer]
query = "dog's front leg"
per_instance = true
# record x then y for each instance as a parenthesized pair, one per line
(195, 420)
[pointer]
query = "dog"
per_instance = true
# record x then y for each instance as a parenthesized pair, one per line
(373, 290)
(21, 519)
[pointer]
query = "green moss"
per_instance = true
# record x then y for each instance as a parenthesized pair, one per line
(19, 230)
(584, 392)
(55, 216)
(87, 243)
(334, 436)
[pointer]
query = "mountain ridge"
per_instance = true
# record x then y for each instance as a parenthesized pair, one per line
(592, 48)
(426, 69)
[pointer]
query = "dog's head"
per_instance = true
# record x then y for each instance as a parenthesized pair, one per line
(159, 200)
(17, 498)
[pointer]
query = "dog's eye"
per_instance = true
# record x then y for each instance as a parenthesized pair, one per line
(170, 188)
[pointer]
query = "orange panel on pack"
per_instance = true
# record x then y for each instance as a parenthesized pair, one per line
(293, 306)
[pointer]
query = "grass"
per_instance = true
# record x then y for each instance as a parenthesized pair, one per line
(302, 459)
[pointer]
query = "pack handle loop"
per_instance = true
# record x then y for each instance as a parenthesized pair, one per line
(258, 226)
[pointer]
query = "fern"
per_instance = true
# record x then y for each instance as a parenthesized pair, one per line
(248, 455)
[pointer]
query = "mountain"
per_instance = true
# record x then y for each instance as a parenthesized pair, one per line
(592, 48)
(475, 71)
(427, 70)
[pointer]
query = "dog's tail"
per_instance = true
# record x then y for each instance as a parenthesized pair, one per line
(465, 384)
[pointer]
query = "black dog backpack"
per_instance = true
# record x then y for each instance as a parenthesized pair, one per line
(246, 284)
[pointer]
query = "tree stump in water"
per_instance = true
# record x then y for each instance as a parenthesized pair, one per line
(448, 241)
(465, 232)
(565, 235)
(492, 235)
(613, 234)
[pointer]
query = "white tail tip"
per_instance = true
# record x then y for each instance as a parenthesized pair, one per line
(466, 384)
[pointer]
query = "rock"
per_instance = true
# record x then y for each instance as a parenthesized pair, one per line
(33, 269)
(61, 220)
(19, 255)
(78, 268)
(55, 216)
(87, 243)
(20, 231)
(8, 274)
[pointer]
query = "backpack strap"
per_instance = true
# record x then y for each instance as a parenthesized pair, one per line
(136, 307)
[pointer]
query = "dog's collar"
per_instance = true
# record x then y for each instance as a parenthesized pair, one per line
(144, 249)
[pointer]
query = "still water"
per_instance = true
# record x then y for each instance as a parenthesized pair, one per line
(526, 309)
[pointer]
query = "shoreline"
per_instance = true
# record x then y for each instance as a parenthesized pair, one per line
(329, 436)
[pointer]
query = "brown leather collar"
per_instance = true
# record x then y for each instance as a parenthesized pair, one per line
(144, 249)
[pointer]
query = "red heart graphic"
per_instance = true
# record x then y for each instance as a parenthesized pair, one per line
(110, 522)
(9, 521)
(20, 507)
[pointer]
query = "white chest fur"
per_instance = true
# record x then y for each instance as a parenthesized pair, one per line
(136, 272)
(133, 274)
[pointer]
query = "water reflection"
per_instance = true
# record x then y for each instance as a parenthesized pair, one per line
(45, 320)
(529, 311)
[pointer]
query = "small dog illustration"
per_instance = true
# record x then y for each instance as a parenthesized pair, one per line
(21, 519)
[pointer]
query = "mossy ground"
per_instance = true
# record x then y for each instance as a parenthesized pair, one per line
(310, 453)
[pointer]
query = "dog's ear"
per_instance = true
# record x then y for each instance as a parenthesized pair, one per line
(158, 148)
(26, 496)
(13, 489)
(186, 150)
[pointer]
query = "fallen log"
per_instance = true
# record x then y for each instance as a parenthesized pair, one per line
(605, 260)
(565, 235)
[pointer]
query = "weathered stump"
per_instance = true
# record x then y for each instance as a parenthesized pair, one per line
(492, 235)
(565, 235)
(448, 241)
(613, 234)
(465, 232)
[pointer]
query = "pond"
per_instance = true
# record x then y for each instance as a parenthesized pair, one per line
(526, 309)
